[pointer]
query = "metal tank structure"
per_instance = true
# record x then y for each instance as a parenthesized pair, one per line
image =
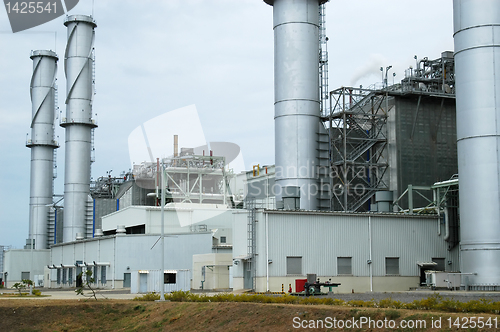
(42, 144)
(296, 98)
(477, 84)
(78, 123)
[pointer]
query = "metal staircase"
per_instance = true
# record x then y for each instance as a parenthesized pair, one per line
(51, 227)
(89, 217)
(323, 182)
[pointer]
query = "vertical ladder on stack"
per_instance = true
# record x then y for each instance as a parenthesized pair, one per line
(89, 217)
(51, 227)
(323, 180)
(323, 62)
(323, 170)
(251, 240)
(92, 147)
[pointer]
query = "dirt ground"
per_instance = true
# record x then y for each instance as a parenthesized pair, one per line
(126, 315)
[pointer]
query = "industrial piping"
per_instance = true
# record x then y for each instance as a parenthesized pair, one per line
(296, 94)
(477, 83)
(78, 123)
(42, 145)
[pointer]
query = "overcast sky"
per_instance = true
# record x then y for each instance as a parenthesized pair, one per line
(156, 56)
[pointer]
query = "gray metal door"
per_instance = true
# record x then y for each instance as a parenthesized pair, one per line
(247, 275)
(143, 283)
(126, 280)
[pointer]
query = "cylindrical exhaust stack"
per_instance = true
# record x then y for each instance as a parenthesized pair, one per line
(79, 70)
(42, 144)
(477, 83)
(296, 95)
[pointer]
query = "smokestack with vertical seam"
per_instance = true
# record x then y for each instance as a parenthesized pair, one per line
(296, 94)
(42, 144)
(79, 70)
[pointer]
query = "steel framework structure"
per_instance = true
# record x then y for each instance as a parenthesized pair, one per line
(358, 138)
(357, 127)
(189, 178)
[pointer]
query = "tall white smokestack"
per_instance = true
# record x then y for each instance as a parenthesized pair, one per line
(42, 144)
(79, 68)
(296, 95)
(477, 83)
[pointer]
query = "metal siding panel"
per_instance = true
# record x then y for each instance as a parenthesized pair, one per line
(319, 236)
(240, 220)
(320, 239)
(410, 239)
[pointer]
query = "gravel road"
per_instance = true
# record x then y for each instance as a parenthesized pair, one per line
(419, 295)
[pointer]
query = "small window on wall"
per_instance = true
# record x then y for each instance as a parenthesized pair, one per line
(344, 265)
(294, 265)
(25, 275)
(169, 278)
(222, 239)
(392, 265)
(70, 276)
(440, 264)
(58, 276)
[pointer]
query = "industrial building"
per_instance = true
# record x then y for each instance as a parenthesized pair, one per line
(364, 191)
(364, 252)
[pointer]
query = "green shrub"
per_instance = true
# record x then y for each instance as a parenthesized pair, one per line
(37, 292)
(178, 296)
(148, 297)
(360, 303)
(390, 303)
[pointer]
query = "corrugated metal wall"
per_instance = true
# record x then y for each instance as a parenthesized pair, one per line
(133, 252)
(153, 280)
(319, 238)
(103, 207)
(183, 281)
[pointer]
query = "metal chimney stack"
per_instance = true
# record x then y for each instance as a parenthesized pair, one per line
(42, 144)
(79, 124)
(296, 95)
(477, 83)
